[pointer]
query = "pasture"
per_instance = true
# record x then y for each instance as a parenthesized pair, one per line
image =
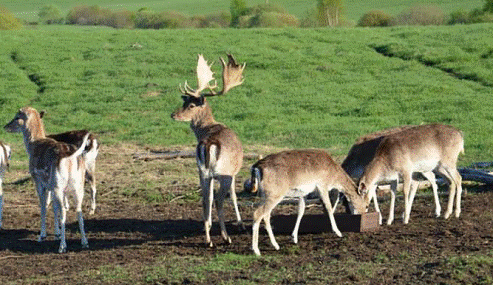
(354, 9)
(303, 88)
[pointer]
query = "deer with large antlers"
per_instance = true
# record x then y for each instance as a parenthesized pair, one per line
(219, 150)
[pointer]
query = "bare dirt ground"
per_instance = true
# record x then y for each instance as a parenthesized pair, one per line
(148, 214)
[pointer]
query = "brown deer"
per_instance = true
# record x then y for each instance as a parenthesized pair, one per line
(5, 153)
(297, 173)
(57, 168)
(362, 153)
(219, 150)
(423, 149)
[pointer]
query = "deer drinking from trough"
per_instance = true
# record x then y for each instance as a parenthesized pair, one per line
(362, 153)
(424, 149)
(219, 151)
(296, 173)
(57, 168)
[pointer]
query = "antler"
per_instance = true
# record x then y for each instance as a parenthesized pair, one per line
(232, 77)
(204, 76)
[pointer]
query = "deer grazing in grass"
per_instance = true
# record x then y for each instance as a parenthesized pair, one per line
(90, 154)
(296, 173)
(5, 154)
(424, 149)
(219, 151)
(363, 152)
(57, 168)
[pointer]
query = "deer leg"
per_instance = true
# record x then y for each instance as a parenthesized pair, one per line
(326, 200)
(79, 196)
(207, 199)
(59, 198)
(1, 202)
(235, 203)
(42, 195)
(377, 208)
(430, 176)
(407, 184)
(224, 186)
(92, 182)
(393, 191)
(452, 189)
(301, 211)
(260, 213)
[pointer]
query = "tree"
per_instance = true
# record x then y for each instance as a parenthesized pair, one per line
(238, 9)
(488, 6)
(50, 14)
(329, 12)
(8, 21)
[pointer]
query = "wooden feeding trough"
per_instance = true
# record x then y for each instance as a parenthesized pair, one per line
(313, 224)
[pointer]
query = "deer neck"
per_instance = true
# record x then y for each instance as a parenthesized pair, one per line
(202, 122)
(31, 134)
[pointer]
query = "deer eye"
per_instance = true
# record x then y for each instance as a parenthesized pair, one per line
(192, 105)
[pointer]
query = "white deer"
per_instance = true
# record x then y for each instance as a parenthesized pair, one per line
(219, 150)
(56, 167)
(423, 149)
(296, 173)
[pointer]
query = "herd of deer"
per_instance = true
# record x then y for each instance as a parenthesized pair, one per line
(59, 165)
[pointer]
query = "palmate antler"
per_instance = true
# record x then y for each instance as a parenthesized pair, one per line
(232, 77)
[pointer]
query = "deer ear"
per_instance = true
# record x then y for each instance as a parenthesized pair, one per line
(362, 190)
(41, 114)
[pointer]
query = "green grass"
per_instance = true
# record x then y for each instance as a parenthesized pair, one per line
(303, 88)
(354, 9)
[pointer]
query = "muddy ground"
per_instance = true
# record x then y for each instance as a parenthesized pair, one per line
(149, 215)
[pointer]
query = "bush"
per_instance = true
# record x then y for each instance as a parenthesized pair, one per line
(375, 19)
(122, 20)
(273, 20)
(8, 21)
(167, 19)
(459, 17)
(221, 19)
(310, 19)
(89, 15)
(50, 14)
(420, 15)
(488, 6)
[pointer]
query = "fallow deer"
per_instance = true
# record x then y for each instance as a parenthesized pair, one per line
(296, 173)
(362, 153)
(90, 154)
(219, 151)
(5, 153)
(56, 167)
(425, 149)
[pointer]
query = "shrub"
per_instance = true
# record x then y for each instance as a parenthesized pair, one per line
(238, 9)
(167, 19)
(8, 21)
(459, 17)
(310, 19)
(420, 15)
(488, 6)
(89, 15)
(50, 14)
(221, 19)
(273, 20)
(375, 19)
(122, 20)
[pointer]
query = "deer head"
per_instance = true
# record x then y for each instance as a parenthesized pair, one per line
(195, 106)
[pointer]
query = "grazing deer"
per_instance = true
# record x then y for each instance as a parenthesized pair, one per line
(363, 152)
(5, 154)
(90, 154)
(423, 149)
(56, 167)
(296, 173)
(219, 150)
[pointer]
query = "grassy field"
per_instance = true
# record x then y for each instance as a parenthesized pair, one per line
(354, 8)
(303, 88)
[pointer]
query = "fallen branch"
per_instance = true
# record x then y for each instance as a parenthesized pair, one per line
(147, 156)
